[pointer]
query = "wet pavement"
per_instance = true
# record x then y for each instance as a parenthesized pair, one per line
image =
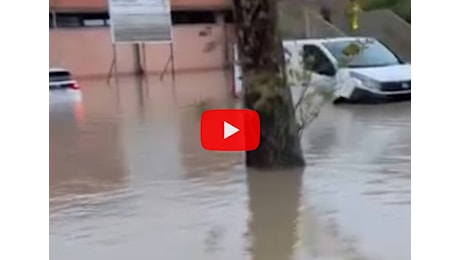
(129, 180)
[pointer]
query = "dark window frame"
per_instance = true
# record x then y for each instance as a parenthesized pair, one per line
(193, 17)
(228, 16)
(76, 20)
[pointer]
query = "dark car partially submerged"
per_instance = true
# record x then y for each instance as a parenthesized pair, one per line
(61, 78)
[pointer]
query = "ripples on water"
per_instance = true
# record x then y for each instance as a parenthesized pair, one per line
(129, 180)
(360, 169)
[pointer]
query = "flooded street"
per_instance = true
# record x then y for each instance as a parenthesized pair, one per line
(129, 180)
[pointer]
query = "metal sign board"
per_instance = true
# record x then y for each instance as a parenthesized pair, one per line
(140, 21)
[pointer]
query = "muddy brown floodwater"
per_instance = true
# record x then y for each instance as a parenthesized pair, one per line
(129, 180)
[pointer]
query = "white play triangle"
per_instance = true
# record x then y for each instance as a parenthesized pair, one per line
(229, 130)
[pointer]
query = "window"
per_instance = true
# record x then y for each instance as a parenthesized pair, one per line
(374, 54)
(95, 19)
(101, 19)
(68, 21)
(316, 61)
(51, 20)
(59, 76)
(193, 17)
(228, 14)
(77, 20)
(93, 23)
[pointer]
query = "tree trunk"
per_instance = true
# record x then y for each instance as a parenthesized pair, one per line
(265, 88)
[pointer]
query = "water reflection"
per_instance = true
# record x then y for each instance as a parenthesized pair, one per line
(195, 93)
(359, 134)
(194, 158)
(274, 203)
(85, 152)
(128, 174)
(141, 87)
(363, 178)
(204, 86)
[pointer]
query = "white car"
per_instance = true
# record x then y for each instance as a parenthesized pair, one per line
(62, 78)
(374, 74)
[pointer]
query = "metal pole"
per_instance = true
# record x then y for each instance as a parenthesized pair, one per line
(115, 65)
(144, 64)
(172, 63)
(144, 59)
(138, 70)
(165, 68)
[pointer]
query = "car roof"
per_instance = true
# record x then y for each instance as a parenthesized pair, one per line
(320, 41)
(58, 70)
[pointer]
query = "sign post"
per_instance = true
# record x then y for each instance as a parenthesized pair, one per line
(140, 22)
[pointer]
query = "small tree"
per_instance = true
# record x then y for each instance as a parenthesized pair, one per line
(312, 98)
(266, 87)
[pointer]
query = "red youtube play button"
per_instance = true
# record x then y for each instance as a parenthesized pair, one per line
(230, 130)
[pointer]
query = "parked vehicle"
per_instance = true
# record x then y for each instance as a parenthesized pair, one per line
(374, 74)
(62, 78)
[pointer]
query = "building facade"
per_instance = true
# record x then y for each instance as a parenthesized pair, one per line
(80, 39)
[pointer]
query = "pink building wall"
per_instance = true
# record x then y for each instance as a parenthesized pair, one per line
(87, 52)
(175, 4)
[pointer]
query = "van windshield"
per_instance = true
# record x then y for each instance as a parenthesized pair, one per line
(374, 54)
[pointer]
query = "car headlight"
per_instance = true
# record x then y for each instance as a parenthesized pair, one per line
(370, 84)
(362, 81)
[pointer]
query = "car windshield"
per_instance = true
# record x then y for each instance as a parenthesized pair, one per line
(374, 54)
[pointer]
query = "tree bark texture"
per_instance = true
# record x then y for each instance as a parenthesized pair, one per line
(265, 89)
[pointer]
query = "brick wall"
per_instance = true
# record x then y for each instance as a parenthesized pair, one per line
(175, 4)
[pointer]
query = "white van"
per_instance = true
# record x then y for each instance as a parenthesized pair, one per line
(375, 74)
